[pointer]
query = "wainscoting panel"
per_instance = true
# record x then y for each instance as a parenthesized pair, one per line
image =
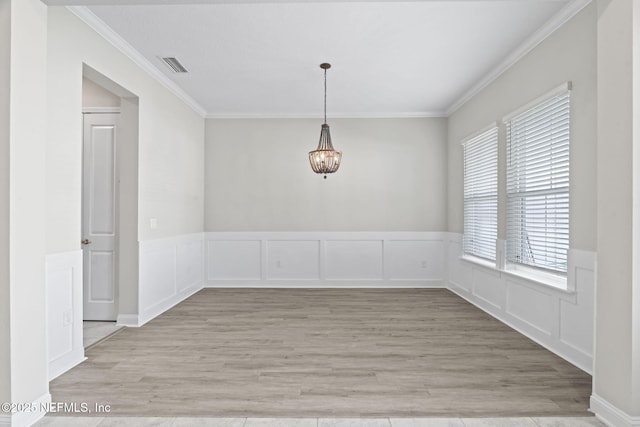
(170, 271)
(354, 260)
(488, 288)
(189, 264)
(64, 311)
(530, 306)
(414, 259)
(157, 274)
(560, 320)
(325, 259)
(234, 260)
(576, 316)
(293, 260)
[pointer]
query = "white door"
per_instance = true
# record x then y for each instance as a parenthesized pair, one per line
(99, 217)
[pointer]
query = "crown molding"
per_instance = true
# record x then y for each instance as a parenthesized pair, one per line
(402, 115)
(99, 26)
(557, 21)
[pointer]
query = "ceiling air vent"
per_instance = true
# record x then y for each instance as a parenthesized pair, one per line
(174, 64)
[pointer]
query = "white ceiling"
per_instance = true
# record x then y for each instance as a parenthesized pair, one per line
(389, 58)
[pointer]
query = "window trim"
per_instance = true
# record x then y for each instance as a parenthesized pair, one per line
(566, 86)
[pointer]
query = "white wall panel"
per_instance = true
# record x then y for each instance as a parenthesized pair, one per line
(414, 259)
(170, 271)
(325, 259)
(488, 287)
(460, 272)
(290, 259)
(64, 311)
(576, 318)
(531, 306)
(189, 264)
(59, 312)
(354, 260)
(234, 260)
(157, 275)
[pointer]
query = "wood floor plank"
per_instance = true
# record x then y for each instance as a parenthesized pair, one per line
(325, 353)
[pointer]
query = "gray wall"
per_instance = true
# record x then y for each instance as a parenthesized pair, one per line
(617, 338)
(26, 343)
(392, 177)
(171, 139)
(569, 54)
(5, 332)
(94, 95)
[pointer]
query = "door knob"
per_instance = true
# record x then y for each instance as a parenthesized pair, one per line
(86, 242)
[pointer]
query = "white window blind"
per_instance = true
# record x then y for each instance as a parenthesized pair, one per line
(538, 185)
(481, 195)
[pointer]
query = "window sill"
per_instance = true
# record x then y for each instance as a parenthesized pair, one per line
(539, 278)
(554, 281)
(479, 261)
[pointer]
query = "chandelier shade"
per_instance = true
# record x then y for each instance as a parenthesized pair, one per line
(325, 159)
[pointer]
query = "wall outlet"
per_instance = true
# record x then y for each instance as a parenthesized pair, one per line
(278, 264)
(424, 264)
(153, 223)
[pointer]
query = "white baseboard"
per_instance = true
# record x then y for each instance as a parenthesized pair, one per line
(165, 305)
(26, 419)
(60, 366)
(135, 321)
(316, 284)
(131, 320)
(611, 415)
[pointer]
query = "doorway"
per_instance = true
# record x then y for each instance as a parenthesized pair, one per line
(109, 236)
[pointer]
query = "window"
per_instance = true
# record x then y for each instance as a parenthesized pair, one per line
(481, 195)
(538, 185)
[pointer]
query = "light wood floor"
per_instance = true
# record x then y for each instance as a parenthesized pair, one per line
(325, 353)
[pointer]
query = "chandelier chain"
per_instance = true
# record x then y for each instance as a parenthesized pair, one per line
(325, 96)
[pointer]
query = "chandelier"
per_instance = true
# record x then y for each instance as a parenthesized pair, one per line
(325, 159)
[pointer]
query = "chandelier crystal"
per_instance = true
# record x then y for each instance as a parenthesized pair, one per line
(325, 159)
